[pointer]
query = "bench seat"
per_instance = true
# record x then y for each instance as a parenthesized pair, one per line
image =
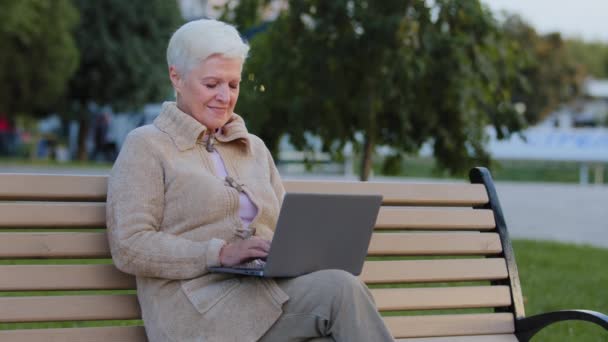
(440, 264)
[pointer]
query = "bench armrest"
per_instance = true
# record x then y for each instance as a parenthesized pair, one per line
(529, 326)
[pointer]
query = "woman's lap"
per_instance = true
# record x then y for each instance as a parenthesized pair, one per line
(324, 304)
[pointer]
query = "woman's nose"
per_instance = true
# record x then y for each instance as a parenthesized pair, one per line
(223, 94)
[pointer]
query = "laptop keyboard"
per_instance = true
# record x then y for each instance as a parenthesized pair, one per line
(253, 264)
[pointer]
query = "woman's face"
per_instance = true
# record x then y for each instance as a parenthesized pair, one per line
(209, 91)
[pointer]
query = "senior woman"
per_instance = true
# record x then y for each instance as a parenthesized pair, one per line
(194, 190)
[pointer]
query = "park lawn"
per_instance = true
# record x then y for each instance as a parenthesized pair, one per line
(554, 276)
(503, 170)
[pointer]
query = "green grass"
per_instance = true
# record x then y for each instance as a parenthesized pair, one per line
(554, 276)
(557, 276)
(506, 170)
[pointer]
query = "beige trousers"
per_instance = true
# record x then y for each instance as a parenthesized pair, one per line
(328, 305)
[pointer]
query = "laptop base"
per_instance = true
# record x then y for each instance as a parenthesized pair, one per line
(242, 271)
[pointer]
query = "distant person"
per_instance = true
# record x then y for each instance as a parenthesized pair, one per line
(103, 146)
(7, 135)
(194, 190)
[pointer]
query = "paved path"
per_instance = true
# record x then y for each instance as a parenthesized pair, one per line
(561, 212)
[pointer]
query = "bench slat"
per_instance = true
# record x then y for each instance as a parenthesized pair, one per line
(93, 214)
(98, 277)
(435, 218)
(53, 215)
(478, 338)
(105, 334)
(95, 245)
(434, 270)
(137, 334)
(105, 307)
(19, 186)
(54, 245)
(450, 194)
(435, 244)
(442, 298)
(63, 277)
(69, 308)
(94, 187)
(450, 325)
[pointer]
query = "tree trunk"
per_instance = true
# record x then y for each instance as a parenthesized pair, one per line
(369, 138)
(366, 160)
(83, 130)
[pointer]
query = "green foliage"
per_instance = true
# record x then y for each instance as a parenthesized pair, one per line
(592, 56)
(244, 14)
(392, 73)
(38, 56)
(123, 46)
(552, 76)
(472, 67)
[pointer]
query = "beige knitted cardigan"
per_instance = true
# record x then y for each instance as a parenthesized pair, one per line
(168, 216)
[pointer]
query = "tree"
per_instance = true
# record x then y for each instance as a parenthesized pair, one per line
(123, 63)
(592, 56)
(551, 71)
(394, 73)
(38, 56)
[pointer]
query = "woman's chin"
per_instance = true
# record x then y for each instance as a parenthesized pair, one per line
(216, 122)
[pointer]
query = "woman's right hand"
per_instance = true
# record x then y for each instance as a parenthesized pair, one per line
(244, 250)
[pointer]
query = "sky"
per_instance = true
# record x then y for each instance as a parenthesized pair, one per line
(586, 19)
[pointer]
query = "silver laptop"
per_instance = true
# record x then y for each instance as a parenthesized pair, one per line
(316, 232)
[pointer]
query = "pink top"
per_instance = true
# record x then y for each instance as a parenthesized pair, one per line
(247, 210)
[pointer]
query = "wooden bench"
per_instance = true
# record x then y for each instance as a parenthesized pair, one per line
(440, 266)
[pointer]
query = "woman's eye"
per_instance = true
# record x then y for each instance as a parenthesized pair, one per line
(210, 85)
(234, 86)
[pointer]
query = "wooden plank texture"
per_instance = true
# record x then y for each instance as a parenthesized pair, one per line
(94, 187)
(54, 245)
(53, 215)
(23, 186)
(459, 297)
(450, 325)
(59, 209)
(95, 245)
(435, 218)
(137, 334)
(434, 270)
(92, 214)
(105, 334)
(69, 308)
(81, 277)
(105, 307)
(435, 244)
(63, 277)
(452, 194)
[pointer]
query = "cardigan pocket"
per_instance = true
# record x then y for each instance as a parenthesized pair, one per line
(206, 291)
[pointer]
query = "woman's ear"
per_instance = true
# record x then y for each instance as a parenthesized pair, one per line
(176, 78)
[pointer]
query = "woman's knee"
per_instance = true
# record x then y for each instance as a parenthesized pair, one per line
(340, 280)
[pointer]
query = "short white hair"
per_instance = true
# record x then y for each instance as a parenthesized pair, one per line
(197, 40)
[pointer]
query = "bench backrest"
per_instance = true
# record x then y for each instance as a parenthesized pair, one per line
(439, 263)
